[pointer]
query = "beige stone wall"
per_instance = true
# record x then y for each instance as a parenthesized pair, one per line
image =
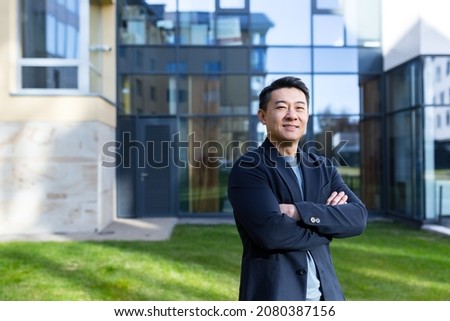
(51, 178)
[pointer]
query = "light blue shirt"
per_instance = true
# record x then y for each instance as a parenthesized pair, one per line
(313, 284)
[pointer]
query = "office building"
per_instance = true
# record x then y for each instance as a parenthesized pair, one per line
(137, 109)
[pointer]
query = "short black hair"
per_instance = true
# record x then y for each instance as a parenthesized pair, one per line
(285, 82)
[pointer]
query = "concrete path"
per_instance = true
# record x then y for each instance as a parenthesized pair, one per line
(154, 229)
(440, 229)
(151, 229)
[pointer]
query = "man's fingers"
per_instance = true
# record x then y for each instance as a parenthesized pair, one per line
(332, 196)
(337, 198)
(343, 200)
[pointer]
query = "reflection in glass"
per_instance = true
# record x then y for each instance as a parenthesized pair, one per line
(285, 60)
(402, 86)
(232, 4)
(401, 157)
(259, 26)
(147, 60)
(336, 94)
(147, 23)
(370, 62)
(214, 143)
(436, 72)
(328, 4)
(328, 30)
(437, 165)
(157, 23)
(49, 30)
(363, 23)
(149, 95)
(337, 138)
(192, 6)
(214, 95)
(50, 77)
(371, 143)
(283, 27)
(195, 28)
(371, 96)
(213, 60)
(336, 60)
(231, 30)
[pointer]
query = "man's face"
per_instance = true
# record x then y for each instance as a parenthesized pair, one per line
(286, 115)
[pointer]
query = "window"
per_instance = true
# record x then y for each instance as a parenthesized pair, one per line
(329, 30)
(271, 25)
(335, 102)
(336, 60)
(232, 4)
(214, 143)
(159, 98)
(53, 34)
(438, 73)
(400, 167)
(403, 87)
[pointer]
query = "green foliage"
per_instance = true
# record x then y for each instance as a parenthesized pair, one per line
(201, 262)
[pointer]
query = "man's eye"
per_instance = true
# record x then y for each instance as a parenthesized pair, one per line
(281, 107)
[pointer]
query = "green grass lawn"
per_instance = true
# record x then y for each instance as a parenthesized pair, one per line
(388, 262)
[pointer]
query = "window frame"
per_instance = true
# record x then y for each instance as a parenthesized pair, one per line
(82, 63)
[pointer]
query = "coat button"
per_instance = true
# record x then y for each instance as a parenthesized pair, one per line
(314, 220)
(301, 272)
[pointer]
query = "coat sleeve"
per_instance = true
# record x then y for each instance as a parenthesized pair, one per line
(338, 221)
(257, 210)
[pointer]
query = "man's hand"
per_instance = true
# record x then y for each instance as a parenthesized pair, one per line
(334, 199)
(290, 210)
(337, 199)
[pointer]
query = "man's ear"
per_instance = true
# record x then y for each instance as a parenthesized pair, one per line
(262, 116)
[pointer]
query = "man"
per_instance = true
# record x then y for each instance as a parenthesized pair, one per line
(289, 205)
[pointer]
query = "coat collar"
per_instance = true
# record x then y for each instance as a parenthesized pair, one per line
(308, 165)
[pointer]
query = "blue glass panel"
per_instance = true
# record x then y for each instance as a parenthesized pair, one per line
(328, 30)
(336, 94)
(336, 60)
(284, 22)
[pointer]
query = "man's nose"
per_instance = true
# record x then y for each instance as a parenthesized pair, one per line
(291, 114)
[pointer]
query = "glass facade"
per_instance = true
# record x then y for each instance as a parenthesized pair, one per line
(418, 103)
(202, 64)
(436, 133)
(372, 144)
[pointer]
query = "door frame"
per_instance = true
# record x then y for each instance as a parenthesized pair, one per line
(142, 173)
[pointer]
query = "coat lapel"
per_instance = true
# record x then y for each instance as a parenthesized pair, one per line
(311, 182)
(283, 168)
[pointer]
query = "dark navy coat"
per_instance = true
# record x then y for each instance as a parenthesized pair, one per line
(274, 264)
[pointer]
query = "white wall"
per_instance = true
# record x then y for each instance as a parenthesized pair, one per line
(414, 27)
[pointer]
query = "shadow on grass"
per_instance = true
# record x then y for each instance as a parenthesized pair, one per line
(52, 280)
(198, 263)
(390, 262)
(202, 263)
